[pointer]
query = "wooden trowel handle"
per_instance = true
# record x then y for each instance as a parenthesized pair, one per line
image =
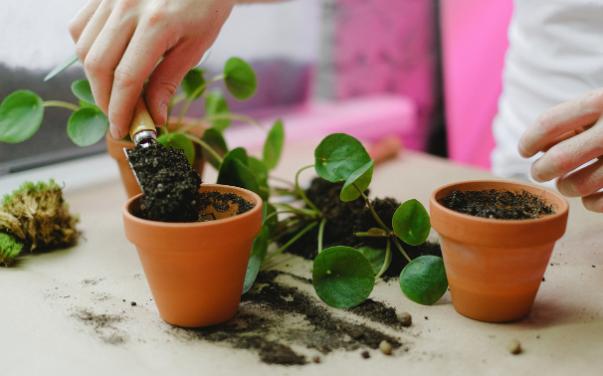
(142, 120)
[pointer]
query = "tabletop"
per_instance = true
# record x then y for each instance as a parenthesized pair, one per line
(88, 310)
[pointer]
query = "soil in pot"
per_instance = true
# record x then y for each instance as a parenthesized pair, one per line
(497, 204)
(346, 218)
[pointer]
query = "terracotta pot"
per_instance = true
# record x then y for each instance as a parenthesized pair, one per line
(115, 150)
(494, 266)
(196, 270)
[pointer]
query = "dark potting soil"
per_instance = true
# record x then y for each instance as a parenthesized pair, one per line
(282, 324)
(169, 183)
(346, 218)
(103, 325)
(221, 202)
(497, 204)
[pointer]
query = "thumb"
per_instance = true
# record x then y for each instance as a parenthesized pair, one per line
(165, 80)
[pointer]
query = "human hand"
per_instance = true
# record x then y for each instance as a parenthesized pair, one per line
(122, 43)
(570, 135)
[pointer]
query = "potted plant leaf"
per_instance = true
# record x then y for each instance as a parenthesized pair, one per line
(22, 113)
(497, 238)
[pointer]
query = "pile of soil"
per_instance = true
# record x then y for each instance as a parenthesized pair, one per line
(103, 325)
(284, 325)
(169, 183)
(346, 218)
(497, 204)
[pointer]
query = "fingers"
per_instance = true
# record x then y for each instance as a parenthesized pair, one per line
(167, 76)
(569, 154)
(584, 182)
(142, 54)
(560, 122)
(106, 53)
(594, 202)
(81, 19)
(92, 29)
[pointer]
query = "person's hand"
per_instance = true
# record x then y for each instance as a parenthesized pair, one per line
(570, 135)
(122, 43)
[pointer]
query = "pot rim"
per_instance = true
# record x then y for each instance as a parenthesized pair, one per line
(559, 212)
(184, 225)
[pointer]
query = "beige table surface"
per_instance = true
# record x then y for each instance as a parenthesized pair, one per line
(39, 336)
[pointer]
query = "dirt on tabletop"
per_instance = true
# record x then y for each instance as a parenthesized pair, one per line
(286, 326)
(346, 218)
(497, 204)
(171, 187)
(103, 325)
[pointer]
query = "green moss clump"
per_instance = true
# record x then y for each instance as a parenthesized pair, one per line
(37, 216)
(10, 248)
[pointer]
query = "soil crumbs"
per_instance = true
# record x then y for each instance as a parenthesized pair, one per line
(284, 325)
(497, 204)
(103, 325)
(169, 183)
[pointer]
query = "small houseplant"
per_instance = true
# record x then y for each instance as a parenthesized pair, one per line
(495, 266)
(22, 112)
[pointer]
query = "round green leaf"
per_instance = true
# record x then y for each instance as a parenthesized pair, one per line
(338, 156)
(216, 105)
(21, 115)
(356, 183)
(261, 175)
(258, 254)
(423, 280)
(273, 147)
(342, 277)
(193, 83)
(82, 91)
(235, 171)
(411, 222)
(240, 78)
(179, 141)
(87, 126)
(215, 139)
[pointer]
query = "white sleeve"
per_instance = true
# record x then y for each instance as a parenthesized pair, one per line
(555, 54)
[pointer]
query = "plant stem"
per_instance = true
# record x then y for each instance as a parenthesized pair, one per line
(367, 234)
(61, 104)
(388, 259)
(204, 145)
(279, 179)
(276, 213)
(301, 192)
(373, 212)
(301, 211)
(400, 248)
(296, 237)
(321, 232)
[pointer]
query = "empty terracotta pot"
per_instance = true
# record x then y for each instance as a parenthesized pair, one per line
(495, 266)
(196, 270)
(115, 148)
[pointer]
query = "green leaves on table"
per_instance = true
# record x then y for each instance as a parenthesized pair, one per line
(21, 115)
(424, 280)
(342, 277)
(258, 254)
(342, 158)
(411, 222)
(179, 141)
(87, 126)
(240, 78)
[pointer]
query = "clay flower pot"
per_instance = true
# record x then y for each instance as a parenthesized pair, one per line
(196, 270)
(495, 266)
(115, 150)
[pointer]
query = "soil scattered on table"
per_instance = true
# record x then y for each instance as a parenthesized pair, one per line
(497, 204)
(103, 325)
(169, 183)
(346, 218)
(284, 325)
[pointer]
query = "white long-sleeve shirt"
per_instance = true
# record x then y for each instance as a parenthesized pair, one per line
(555, 54)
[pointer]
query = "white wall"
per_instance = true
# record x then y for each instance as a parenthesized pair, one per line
(33, 33)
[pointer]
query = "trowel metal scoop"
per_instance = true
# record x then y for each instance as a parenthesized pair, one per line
(142, 132)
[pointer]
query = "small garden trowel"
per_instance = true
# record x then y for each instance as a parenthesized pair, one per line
(142, 131)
